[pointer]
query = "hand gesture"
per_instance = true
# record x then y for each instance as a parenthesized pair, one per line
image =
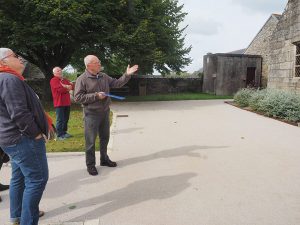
(68, 87)
(101, 95)
(131, 70)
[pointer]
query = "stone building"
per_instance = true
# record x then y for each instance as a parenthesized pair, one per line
(284, 70)
(260, 45)
(225, 73)
(278, 42)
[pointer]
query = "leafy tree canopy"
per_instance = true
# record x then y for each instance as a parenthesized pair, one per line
(53, 33)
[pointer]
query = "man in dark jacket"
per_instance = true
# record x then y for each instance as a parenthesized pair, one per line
(90, 90)
(22, 126)
(60, 88)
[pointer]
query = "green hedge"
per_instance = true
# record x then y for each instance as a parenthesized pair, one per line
(274, 103)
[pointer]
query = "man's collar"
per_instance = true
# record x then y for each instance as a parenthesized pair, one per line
(89, 74)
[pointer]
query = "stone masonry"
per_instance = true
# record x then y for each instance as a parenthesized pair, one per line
(260, 45)
(283, 49)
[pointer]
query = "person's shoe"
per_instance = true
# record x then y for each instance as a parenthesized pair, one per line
(108, 163)
(0, 199)
(3, 187)
(66, 135)
(61, 138)
(41, 213)
(16, 222)
(92, 170)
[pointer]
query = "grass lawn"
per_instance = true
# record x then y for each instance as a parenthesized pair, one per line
(176, 97)
(75, 125)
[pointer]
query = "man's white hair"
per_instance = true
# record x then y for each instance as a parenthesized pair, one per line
(55, 68)
(88, 59)
(4, 52)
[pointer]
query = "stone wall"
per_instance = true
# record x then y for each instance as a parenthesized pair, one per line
(141, 85)
(147, 85)
(260, 45)
(210, 68)
(283, 49)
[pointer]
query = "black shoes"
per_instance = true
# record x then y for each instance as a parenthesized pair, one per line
(3, 187)
(108, 163)
(41, 213)
(92, 170)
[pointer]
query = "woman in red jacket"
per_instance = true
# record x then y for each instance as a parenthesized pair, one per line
(60, 88)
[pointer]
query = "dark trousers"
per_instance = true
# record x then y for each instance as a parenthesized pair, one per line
(96, 124)
(62, 119)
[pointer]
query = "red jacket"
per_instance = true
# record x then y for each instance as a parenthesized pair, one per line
(61, 95)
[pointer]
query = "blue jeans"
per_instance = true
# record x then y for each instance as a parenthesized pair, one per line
(62, 119)
(29, 178)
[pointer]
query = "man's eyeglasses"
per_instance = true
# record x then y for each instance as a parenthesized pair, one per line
(99, 62)
(13, 55)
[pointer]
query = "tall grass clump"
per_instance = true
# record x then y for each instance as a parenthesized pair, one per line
(273, 103)
(243, 96)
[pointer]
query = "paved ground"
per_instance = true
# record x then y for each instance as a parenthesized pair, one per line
(180, 163)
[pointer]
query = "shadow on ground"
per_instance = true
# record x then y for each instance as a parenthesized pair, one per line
(80, 177)
(140, 191)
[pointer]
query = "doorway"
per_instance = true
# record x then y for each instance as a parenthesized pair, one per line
(250, 79)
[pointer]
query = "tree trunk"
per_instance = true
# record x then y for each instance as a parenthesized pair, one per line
(47, 95)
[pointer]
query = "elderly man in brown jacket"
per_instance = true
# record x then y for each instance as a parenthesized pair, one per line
(90, 90)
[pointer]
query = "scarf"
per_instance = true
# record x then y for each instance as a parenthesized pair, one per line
(6, 69)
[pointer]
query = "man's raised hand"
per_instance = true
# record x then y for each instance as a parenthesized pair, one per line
(132, 70)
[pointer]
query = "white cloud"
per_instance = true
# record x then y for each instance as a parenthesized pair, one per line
(224, 25)
(268, 6)
(202, 26)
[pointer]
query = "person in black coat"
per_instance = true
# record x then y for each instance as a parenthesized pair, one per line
(3, 159)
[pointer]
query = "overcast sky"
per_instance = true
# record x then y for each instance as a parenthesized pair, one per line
(218, 26)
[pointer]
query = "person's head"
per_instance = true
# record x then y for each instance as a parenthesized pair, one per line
(11, 59)
(57, 72)
(92, 64)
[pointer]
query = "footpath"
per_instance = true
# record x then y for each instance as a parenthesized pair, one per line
(179, 163)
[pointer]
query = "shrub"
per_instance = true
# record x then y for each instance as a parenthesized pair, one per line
(242, 97)
(256, 99)
(274, 103)
(282, 104)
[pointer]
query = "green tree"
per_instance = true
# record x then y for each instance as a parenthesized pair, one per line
(52, 33)
(147, 33)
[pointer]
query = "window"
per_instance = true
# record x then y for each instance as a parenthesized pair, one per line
(297, 63)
